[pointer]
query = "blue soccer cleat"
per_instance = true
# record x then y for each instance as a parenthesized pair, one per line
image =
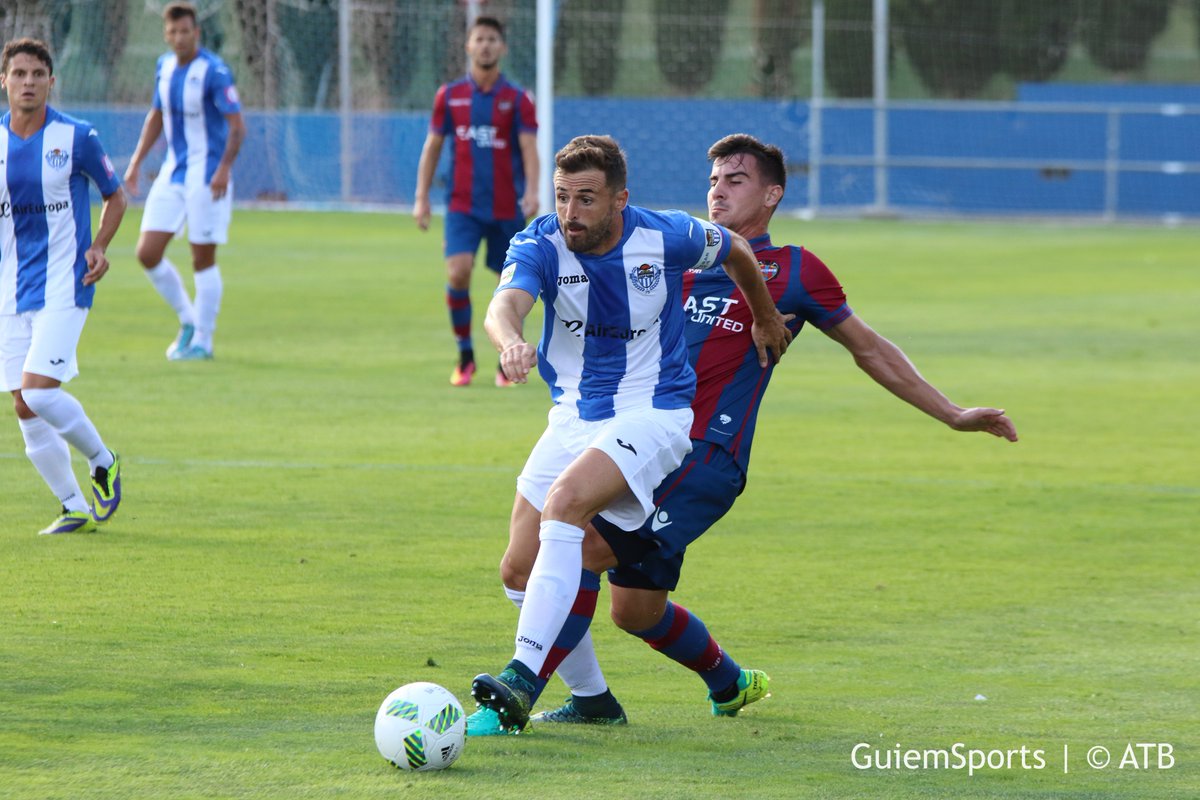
(106, 490)
(71, 522)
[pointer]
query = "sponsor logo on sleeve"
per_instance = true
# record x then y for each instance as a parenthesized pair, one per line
(507, 274)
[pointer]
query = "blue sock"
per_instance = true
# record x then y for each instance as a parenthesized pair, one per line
(682, 636)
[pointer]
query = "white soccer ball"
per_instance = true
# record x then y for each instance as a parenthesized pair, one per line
(421, 726)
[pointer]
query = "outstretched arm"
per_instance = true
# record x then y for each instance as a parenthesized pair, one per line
(504, 325)
(891, 369)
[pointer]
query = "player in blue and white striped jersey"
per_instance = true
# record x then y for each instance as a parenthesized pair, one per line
(613, 353)
(49, 265)
(196, 105)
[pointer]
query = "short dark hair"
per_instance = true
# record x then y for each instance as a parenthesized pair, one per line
(178, 10)
(489, 22)
(594, 152)
(769, 157)
(30, 47)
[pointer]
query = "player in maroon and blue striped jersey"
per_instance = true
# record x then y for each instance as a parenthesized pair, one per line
(746, 185)
(492, 126)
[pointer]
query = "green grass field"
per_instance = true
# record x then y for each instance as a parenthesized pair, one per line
(316, 517)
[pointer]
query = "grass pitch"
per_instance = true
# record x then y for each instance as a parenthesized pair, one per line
(315, 518)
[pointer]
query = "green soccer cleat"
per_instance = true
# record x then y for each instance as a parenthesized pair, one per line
(508, 695)
(106, 490)
(186, 332)
(752, 686)
(568, 714)
(71, 522)
(486, 722)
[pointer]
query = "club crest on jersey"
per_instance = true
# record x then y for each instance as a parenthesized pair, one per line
(57, 158)
(645, 277)
(769, 269)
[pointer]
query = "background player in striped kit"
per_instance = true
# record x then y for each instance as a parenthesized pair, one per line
(196, 105)
(49, 264)
(747, 182)
(612, 352)
(494, 173)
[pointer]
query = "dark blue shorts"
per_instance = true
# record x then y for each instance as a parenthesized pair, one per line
(464, 233)
(687, 503)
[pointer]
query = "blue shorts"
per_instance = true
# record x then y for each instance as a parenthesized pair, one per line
(687, 503)
(464, 233)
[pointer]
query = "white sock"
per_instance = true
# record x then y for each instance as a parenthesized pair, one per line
(550, 593)
(208, 304)
(580, 670)
(66, 416)
(52, 459)
(168, 283)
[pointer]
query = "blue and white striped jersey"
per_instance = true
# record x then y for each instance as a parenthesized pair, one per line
(612, 338)
(45, 212)
(194, 100)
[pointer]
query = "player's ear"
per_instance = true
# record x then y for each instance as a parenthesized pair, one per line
(774, 195)
(622, 199)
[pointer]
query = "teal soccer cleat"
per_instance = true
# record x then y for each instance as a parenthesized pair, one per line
(193, 352)
(182, 341)
(507, 695)
(568, 714)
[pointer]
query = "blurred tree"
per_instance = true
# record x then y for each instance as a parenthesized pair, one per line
(1036, 36)
(952, 44)
(850, 47)
(1117, 34)
(688, 35)
(593, 29)
(780, 26)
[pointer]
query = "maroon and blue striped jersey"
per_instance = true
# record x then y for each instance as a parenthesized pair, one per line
(729, 381)
(487, 173)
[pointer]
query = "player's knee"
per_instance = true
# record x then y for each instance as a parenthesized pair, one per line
(627, 618)
(148, 255)
(568, 502)
(514, 572)
(22, 410)
(36, 400)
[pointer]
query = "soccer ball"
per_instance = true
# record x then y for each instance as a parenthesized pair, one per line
(420, 726)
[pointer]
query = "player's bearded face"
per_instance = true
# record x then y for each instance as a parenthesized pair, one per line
(588, 211)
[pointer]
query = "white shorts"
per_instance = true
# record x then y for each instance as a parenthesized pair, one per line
(646, 445)
(42, 342)
(170, 205)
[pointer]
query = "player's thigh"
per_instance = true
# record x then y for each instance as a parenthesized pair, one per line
(462, 234)
(165, 210)
(689, 502)
(551, 455)
(16, 332)
(208, 218)
(499, 234)
(53, 343)
(645, 447)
